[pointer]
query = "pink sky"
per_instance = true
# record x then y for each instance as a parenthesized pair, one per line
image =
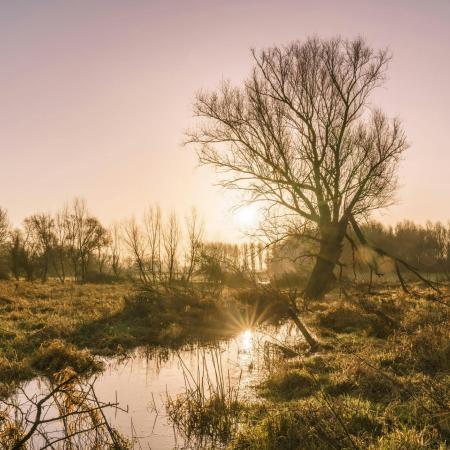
(95, 96)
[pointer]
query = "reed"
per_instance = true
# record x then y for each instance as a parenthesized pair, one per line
(208, 410)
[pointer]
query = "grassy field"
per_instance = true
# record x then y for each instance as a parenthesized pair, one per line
(46, 327)
(380, 380)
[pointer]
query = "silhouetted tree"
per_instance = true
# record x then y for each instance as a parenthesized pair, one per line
(194, 232)
(84, 234)
(4, 234)
(135, 241)
(15, 251)
(171, 240)
(153, 224)
(299, 136)
(115, 250)
(41, 231)
(61, 244)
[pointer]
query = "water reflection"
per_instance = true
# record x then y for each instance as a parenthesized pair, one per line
(247, 341)
(142, 380)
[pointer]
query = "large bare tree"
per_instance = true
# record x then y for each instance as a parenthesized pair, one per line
(300, 136)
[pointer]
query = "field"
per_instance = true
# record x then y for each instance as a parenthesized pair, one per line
(380, 379)
(46, 327)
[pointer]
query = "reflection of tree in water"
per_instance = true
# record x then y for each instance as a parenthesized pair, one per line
(65, 415)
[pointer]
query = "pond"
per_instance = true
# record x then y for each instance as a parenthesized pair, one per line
(142, 381)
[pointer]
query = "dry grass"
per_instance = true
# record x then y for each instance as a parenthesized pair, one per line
(375, 389)
(39, 324)
(382, 379)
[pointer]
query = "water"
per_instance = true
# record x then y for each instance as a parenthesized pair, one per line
(142, 381)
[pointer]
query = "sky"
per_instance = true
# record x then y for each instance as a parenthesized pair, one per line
(95, 97)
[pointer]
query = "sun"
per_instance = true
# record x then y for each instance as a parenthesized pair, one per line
(246, 217)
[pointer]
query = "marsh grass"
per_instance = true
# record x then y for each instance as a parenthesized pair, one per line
(373, 389)
(47, 327)
(208, 410)
(381, 379)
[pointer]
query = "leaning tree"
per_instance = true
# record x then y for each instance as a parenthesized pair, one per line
(301, 135)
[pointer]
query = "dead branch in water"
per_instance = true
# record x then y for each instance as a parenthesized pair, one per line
(69, 413)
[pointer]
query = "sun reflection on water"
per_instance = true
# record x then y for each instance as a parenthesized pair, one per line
(247, 341)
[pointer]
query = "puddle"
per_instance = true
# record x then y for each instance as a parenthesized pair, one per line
(142, 381)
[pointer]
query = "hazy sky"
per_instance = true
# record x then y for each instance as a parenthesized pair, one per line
(95, 96)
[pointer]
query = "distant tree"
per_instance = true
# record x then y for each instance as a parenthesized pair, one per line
(135, 241)
(16, 251)
(153, 225)
(194, 232)
(4, 235)
(115, 250)
(29, 251)
(41, 232)
(171, 241)
(211, 263)
(300, 136)
(4, 226)
(84, 234)
(61, 233)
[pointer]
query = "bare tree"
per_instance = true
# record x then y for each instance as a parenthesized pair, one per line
(299, 136)
(134, 240)
(194, 229)
(15, 252)
(4, 235)
(41, 230)
(4, 226)
(84, 234)
(115, 249)
(61, 241)
(171, 240)
(28, 251)
(153, 223)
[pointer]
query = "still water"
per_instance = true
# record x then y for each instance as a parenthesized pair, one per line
(142, 381)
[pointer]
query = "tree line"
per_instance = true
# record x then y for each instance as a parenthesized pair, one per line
(158, 248)
(423, 247)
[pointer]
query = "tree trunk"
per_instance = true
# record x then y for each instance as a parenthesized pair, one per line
(322, 278)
